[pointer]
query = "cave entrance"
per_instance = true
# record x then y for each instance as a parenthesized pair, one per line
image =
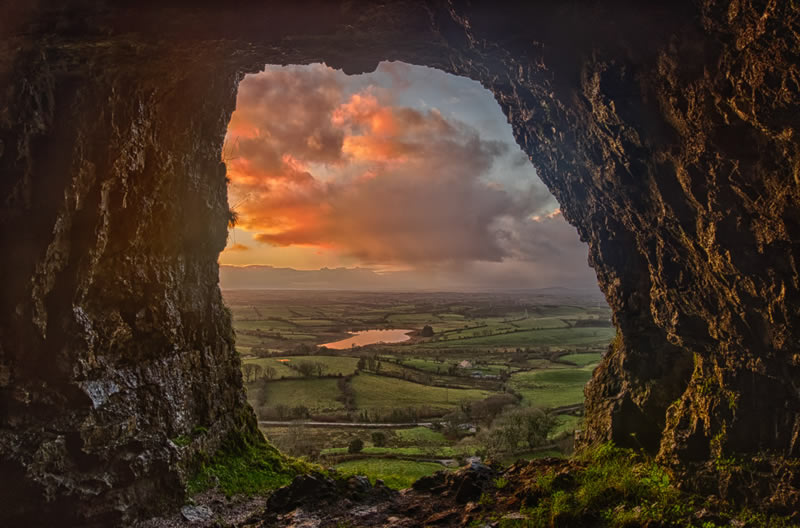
(396, 260)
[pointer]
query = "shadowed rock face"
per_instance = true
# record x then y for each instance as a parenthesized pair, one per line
(668, 135)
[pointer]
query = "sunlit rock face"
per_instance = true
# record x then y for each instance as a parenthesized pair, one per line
(667, 135)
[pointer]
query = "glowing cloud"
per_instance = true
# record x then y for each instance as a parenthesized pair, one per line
(318, 160)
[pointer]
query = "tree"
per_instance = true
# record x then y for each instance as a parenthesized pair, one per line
(538, 424)
(283, 411)
(248, 370)
(378, 439)
(320, 368)
(298, 442)
(270, 372)
(362, 363)
(262, 393)
(427, 331)
(257, 371)
(355, 446)
(485, 411)
(517, 429)
(305, 368)
(300, 411)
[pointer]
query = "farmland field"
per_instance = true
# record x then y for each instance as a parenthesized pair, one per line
(318, 395)
(468, 359)
(552, 387)
(382, 394)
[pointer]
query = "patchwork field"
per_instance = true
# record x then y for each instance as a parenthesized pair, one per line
(471, 360)
(383, 394)
(318, 395)
(552, 387)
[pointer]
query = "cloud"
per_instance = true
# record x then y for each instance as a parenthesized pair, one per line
(237, 247)
(316, 162)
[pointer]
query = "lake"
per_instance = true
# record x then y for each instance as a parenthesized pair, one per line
(369, 337)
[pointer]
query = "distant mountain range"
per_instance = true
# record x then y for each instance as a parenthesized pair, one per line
(362, 279)
(269, 277)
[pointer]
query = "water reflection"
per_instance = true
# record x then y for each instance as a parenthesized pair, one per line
(369, 337)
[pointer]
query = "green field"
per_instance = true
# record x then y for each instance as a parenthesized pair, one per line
(548, 337)
(583, 359)
(485, 347)
(397, 474)
(318, 395)
(552, 387)
(381, 394)
(334, 365)
(420, 436)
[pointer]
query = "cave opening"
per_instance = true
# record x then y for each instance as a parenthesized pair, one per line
(394, 258)
(666, 131)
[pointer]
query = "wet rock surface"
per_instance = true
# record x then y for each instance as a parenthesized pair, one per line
(667, 131)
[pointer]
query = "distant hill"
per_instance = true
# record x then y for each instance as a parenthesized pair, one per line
(362, 279)
(269, 277)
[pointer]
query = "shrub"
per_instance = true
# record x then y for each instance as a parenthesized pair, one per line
(378, 439)
(355, 446)
(516, 430)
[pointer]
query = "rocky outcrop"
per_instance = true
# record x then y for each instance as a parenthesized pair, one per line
(667, 132)
(672, 147)
(114, 338)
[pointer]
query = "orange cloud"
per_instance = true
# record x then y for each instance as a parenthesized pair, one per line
(402, 186)
(237, 247)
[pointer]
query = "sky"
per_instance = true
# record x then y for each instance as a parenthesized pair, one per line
(407, 172)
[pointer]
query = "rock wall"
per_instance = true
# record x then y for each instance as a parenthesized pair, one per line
(667, 133)
(114, 337)
(669, 136)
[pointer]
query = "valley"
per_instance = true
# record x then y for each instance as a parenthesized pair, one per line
(401, 385)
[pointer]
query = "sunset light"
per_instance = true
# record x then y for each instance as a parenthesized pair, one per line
(406, 168)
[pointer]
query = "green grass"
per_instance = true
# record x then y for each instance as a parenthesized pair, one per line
(318, 394)
(247, 341)
(431, 451)
(314, 322)
(397, 474)
(246, 464)
(334, 364)
(382, 394)
(542, 364)
(583, 359)
(540, 322)
(563, 310)
(428, 365)
(420, 436)
(265, 325)
(552, 387)
(529, 338)
(617, 488)
(413, 318)
(281, 369)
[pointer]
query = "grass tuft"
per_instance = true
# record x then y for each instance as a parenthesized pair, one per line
(246, 464)
(618, 488)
